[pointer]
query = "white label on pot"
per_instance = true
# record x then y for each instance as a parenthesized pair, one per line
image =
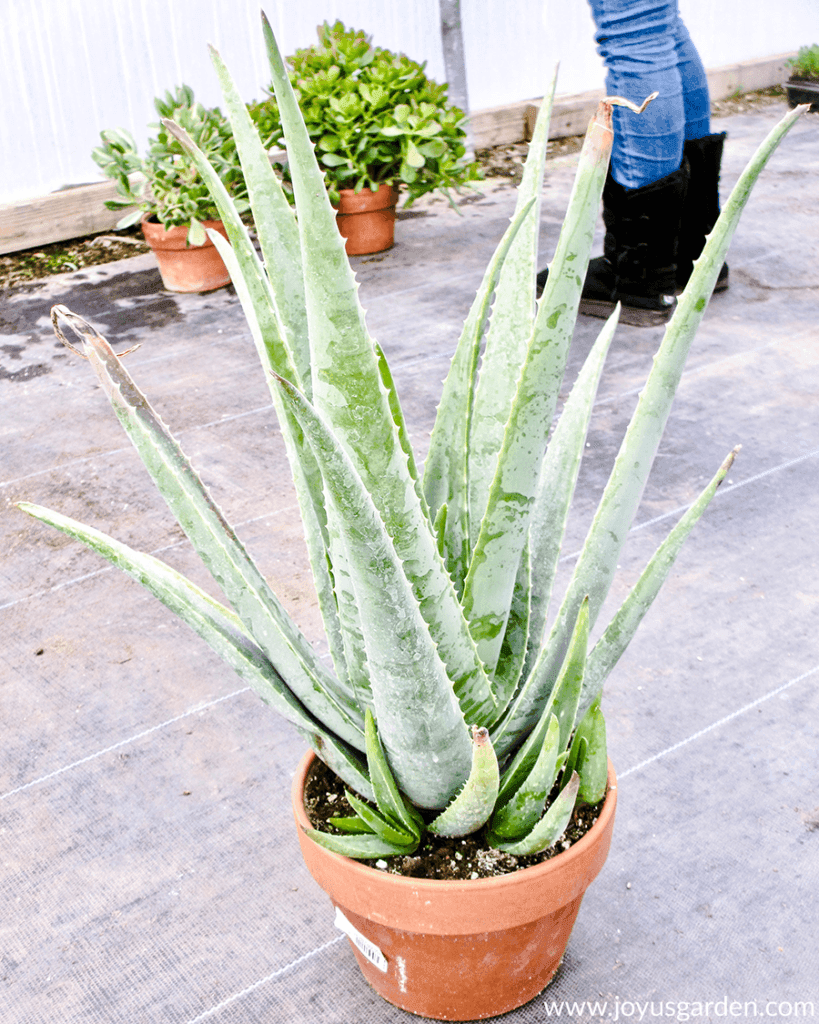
(369, 949)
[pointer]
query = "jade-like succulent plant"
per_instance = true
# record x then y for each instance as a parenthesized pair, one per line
(172, 191)
(374, 117)
(451, 707)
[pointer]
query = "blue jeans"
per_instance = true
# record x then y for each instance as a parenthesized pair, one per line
(646, 48)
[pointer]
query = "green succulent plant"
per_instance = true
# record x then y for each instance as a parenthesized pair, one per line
(451, 706)
(374, 116)
(805, 64)
(172, 191)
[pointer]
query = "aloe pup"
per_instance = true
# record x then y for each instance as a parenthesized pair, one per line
(450, 706)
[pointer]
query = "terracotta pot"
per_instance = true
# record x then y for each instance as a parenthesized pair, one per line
(366, 219)
(460, 950)
(183, 267)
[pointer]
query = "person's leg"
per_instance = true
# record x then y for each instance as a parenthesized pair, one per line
(703, 153)
(639, 42)
(647, 180)
(646, 49)
(696, 100)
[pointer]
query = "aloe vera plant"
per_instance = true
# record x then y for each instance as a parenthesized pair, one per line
(451, 707)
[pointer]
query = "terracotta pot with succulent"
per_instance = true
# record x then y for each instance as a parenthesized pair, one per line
(378, 124)
(171, 201)
(803, 84)
(453, 710)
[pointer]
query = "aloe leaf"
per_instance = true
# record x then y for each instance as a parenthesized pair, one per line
(342, 759)
(346, 377)
(281, 350)
(433, 592)
(563, 699)
(378, 824)
(327, 575)
(256, 285)
(516, 635)
(504, 529)
(618, 634)
(353, 825)
(350, 394)
(570, 681)
(598, 559)
(556, 485)
(358, 847)
(517, 770)
(275, 224)
(561, 704)
(439, 528)
(259, 305)
(445, 467)
(510, 328)
(520, 811)
(276, 299)
(472, 807)
(216, 542)
(387, 797)
(398, 419)
(419, 719)
(222, 630)
(550, 827)
(591, 759)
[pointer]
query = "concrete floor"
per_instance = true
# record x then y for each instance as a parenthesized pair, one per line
(150, 869)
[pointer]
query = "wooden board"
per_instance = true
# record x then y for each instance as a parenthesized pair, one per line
(69, 213)
(500, 126)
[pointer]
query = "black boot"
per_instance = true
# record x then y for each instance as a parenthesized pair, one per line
(639, 265)
(701, 207)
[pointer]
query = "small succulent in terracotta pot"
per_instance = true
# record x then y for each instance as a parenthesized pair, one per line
(164, 186)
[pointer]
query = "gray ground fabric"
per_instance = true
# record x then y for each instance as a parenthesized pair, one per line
(149, 868)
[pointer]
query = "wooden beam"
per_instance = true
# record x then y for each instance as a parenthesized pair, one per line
(80, 211)
(500, 126)
(69, 213)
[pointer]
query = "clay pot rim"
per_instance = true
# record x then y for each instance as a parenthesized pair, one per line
(158, 230)
(366, 188)
(365, 200)
(154, 220)
(523, 876)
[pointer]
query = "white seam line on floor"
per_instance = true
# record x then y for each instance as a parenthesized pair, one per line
(246, 689)
(396, 363)
(156, 551)
(720, 722)
(702, 367)
(730, 488)
(122, 743)
(723, 490)
(127, 448)
(263, 981)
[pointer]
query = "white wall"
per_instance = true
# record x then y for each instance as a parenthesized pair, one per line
(69, 68)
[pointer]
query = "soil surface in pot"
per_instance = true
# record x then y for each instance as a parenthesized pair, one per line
(463, 858)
